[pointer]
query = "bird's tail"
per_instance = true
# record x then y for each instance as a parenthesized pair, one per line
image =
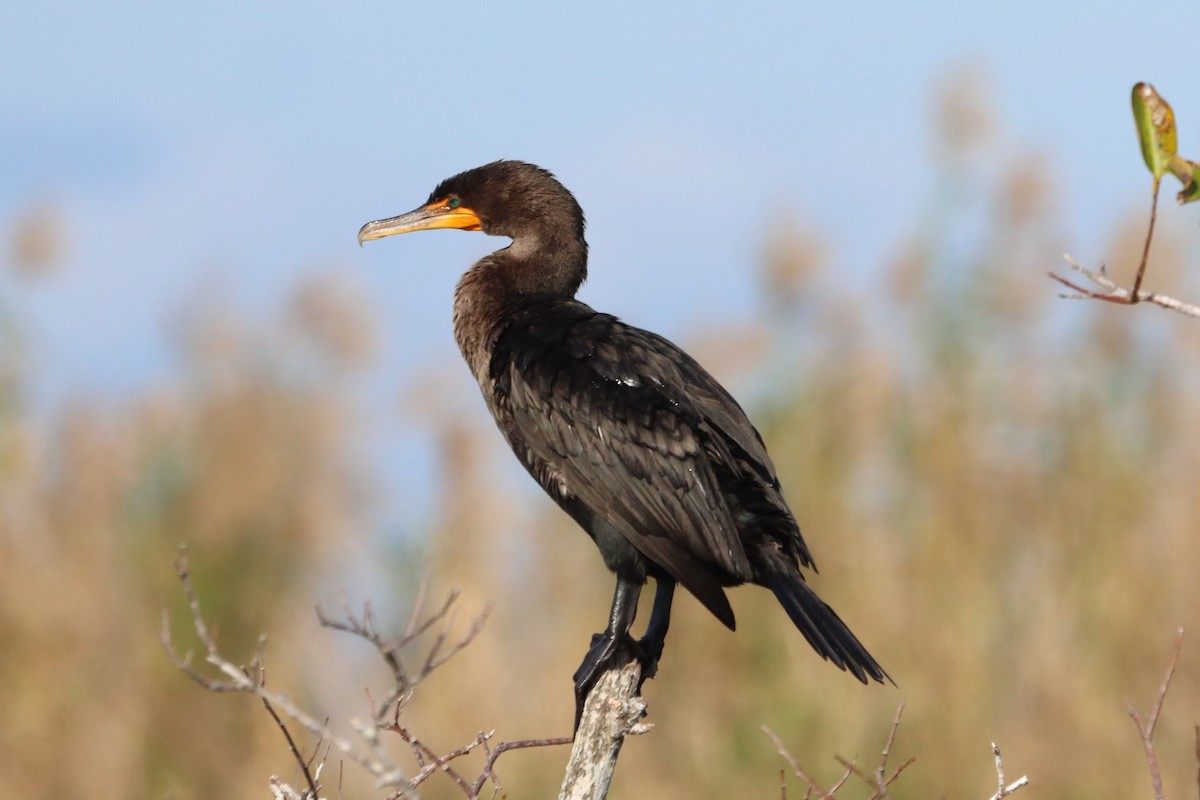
(822, 627)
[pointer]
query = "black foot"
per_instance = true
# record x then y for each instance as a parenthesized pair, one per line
(608, 651)
(651, 645)
(650, 650)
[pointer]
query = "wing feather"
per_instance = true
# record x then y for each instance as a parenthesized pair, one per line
(623, 421)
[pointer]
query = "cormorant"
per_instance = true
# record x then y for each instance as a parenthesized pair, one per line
(624, 430)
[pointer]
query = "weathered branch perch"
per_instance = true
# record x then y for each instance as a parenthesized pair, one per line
(613, 711)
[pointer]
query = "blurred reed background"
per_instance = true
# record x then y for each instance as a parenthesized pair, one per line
(1000, 489)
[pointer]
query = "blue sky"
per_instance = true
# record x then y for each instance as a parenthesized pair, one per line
(242, 145)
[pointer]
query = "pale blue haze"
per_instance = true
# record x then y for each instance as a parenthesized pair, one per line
(240, 146)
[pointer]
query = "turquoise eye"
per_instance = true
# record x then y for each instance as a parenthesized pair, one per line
(453, 202)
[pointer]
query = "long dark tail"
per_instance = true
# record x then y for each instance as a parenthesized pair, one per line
(823, 629)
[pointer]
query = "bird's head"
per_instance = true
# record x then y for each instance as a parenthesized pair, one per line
(504, 198)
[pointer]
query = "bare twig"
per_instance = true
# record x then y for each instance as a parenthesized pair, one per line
(613, 710)
(887, 746)
(1113, 293)
(372, 754)
(365, 627)
(879, 781)
(813, 786)
(1197, 760)
(1005, 789)
(430, 762)
(312, 785)
(1117, 294)
(375, 760)
(489, 774)
(282, 791)
(1146, 730)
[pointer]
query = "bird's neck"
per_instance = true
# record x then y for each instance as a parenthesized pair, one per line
(492, 290)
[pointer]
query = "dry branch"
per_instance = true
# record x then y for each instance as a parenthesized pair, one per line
(1005, 789)
(613, 710)
(371, 753)
(878, 780)
(404, 681)
(1114, 293)
(1197, 727)
(374, 758)
(304, 765)
(1146, 730)
(813, 786)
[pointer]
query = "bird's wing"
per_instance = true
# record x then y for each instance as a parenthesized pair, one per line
(625, 422)
(734, 447)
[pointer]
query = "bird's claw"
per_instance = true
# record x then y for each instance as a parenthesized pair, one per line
(613, 651)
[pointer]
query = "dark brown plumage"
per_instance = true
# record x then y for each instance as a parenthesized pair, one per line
(625, 431)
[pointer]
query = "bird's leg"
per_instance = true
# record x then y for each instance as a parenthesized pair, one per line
(652, 642)
(612, 649)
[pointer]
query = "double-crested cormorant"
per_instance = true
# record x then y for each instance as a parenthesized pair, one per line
(624, 430)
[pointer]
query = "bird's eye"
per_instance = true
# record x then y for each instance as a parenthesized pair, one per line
(453, 202)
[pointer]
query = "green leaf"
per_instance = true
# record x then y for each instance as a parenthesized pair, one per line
(1156, 129)
(1191, 182)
